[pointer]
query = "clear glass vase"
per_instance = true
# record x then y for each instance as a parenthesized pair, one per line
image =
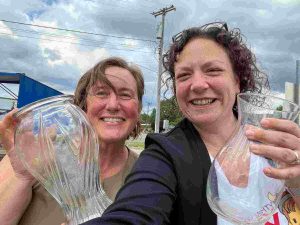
(58, 146)
(237, 189)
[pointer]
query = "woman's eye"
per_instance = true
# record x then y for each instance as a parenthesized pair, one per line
(214, 69)
(101, 93)
(125, 96)
(182, 76)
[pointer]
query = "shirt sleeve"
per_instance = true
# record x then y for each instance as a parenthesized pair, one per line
(148, 194)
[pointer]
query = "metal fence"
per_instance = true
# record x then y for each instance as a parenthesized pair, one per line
(6, 105)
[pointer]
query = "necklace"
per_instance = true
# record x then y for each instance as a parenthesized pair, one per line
(212, 150)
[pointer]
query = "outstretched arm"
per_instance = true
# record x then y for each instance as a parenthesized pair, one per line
(15, 182)
(15, 194)
(148, 195)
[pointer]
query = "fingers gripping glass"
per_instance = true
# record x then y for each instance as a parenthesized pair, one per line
(207, 27)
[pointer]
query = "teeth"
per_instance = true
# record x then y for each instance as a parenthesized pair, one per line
(203, 101)
(112, 120)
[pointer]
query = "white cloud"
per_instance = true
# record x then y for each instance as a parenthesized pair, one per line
(44, 23)
(278, 94)
(130, 43)
(70, 10)
(264, 13)
(6, 31)
(286, 2)
(60, 47)
(66, 52)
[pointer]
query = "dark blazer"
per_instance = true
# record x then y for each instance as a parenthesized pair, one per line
(167, 184)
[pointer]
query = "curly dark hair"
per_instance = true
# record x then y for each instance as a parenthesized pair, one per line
(242, 59)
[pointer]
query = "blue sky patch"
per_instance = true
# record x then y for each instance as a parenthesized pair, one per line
(35, 14)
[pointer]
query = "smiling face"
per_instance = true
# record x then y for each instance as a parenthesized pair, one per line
(114, 113)
(206, 86)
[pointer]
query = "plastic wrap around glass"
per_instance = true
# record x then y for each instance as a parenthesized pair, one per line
(58, 146)
(237, 189)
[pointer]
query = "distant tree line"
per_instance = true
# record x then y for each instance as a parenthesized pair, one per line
(168, 111)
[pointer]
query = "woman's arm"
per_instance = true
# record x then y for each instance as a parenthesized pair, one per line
(280, 141)
(15, 194)
(15, 182)
(148, 195)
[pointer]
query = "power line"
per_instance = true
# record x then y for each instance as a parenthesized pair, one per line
(76, 31)
(55, 35)
(8, 34)
(68, 37)
(146, 68)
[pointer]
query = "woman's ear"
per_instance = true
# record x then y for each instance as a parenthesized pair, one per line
(237, 84)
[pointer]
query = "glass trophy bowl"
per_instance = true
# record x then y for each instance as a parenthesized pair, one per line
(237, 189)
(58, 146)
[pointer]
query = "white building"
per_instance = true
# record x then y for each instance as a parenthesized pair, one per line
(289, 92)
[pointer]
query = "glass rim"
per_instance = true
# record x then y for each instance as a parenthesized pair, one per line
(41, 102)
(296, 109)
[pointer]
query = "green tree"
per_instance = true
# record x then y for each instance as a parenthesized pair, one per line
(170, 111)
(279, 108)
(145, 118)
(152, 118)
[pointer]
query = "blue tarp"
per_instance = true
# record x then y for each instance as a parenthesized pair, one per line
(30, 90)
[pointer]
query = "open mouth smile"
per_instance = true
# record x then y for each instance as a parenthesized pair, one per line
(206, 101)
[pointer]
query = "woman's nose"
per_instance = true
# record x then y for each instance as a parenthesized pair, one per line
(199, 82)
(113, 102)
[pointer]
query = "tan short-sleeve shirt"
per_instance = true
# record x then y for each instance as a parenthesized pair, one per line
(44, 210)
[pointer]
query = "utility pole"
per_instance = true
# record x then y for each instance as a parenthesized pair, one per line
(163, 13)
(296, 89)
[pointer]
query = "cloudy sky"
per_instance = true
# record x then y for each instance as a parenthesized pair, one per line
(126, 28)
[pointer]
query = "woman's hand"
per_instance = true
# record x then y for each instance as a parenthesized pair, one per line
(7, 131)
(279, 140)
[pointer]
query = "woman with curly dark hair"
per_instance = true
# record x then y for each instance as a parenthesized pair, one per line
(208, 67)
